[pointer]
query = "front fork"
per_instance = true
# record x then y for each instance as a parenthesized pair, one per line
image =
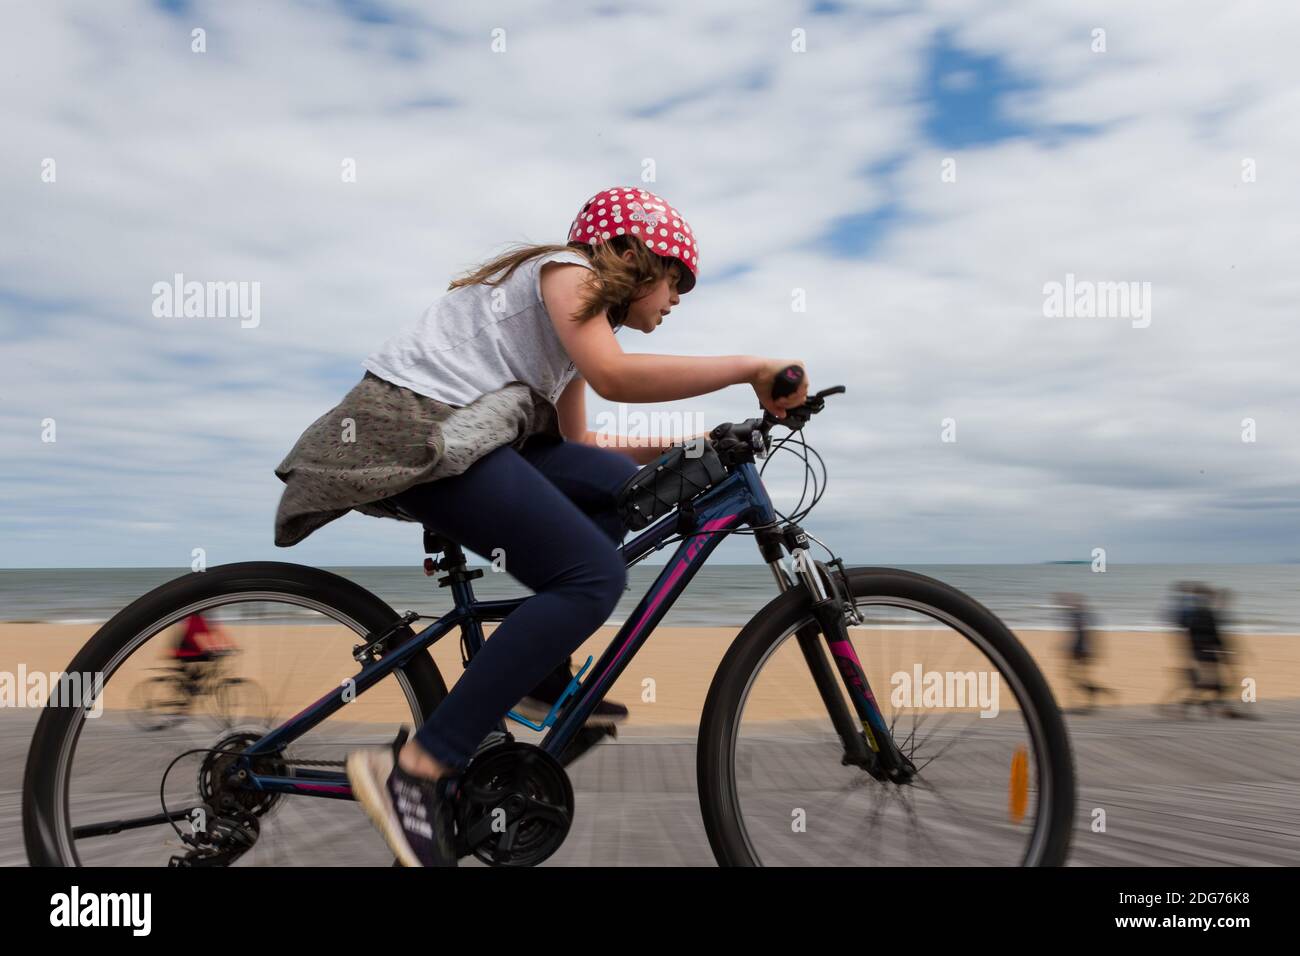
(873, 747)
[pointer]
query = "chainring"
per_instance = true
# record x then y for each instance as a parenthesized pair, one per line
(514, 805)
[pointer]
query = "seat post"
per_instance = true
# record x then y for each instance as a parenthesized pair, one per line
(458, 575)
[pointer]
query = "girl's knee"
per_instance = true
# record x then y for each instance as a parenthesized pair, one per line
(598, 583)
(613, 580)
(609, 580)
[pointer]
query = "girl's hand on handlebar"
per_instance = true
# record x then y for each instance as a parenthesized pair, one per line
(766, 378)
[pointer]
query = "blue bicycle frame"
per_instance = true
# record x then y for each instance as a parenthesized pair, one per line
(738, 500)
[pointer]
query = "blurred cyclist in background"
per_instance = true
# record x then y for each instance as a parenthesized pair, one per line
(1197, 612)
(1204, 647)
(198, 644)
(1231, 653)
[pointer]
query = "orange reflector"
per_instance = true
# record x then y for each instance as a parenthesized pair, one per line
(1018, 785)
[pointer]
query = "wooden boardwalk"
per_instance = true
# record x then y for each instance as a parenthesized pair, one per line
(1196, 792)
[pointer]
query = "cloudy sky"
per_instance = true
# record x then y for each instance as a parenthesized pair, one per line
(921, 171)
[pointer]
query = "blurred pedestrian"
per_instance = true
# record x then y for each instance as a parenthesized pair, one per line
(1080, 652)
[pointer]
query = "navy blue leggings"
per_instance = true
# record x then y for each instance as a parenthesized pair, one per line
(551, 508)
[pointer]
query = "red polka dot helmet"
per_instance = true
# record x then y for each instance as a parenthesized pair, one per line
(631, 211)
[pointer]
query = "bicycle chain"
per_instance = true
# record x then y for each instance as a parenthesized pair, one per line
(315, 763)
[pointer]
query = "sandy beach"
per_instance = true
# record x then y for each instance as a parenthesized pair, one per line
(666, 684)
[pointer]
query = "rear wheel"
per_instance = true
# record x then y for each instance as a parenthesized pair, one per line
(296, 627)
(965, 703)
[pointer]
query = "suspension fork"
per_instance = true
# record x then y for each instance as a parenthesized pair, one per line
(873, 747)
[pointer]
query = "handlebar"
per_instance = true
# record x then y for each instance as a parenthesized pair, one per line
(787, 381)
(737, 442)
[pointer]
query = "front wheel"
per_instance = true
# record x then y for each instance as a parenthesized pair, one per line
(964, 701)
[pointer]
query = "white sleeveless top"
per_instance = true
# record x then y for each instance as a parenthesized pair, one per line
(478, 339)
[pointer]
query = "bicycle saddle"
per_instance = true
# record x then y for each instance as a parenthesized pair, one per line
(434, 542)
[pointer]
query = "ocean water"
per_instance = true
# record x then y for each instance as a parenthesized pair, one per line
(1265, 597)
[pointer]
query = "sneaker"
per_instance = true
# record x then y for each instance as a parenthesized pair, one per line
(542, 698)
(414, 814)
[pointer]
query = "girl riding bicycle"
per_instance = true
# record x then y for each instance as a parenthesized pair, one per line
(473, 422)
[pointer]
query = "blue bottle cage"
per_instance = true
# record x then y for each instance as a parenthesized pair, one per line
(558, 706)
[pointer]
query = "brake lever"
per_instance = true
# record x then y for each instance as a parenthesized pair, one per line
(795, 418)
(802, 413)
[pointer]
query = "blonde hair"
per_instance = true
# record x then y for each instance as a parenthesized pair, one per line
(616, 282)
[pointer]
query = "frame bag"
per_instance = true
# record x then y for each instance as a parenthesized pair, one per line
(675, 477)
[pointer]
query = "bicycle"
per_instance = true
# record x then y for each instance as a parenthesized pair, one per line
(1203, 687)
(797, 761)
(177, 693)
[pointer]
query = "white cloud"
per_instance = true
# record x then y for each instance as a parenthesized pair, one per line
(226, 166)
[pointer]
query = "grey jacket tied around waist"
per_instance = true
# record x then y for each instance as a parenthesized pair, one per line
(482, 368)
(383, 439)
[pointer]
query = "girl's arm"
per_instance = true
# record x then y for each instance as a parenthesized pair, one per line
(572, 406)
(619, 377)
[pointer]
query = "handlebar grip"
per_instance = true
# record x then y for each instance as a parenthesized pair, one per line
(787, 381)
